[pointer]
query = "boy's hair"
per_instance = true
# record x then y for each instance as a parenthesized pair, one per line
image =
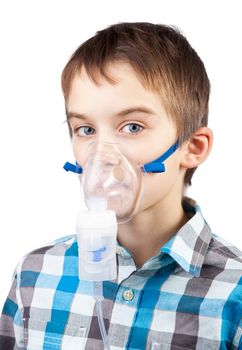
(163, 60)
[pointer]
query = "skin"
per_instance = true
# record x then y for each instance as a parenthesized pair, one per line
(161, 214)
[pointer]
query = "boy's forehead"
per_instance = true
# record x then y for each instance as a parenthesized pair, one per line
(127, 88)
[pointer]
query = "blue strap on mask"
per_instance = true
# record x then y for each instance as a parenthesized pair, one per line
(156, 166)
(74, 168)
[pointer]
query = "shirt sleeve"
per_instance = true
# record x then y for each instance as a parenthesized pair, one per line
(11, 322)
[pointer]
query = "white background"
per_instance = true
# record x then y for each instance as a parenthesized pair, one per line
(38, 199)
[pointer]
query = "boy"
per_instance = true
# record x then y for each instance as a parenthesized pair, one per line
(179, 286)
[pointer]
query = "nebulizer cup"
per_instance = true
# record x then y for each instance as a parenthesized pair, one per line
(96, 237)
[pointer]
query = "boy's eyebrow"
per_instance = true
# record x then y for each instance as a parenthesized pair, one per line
(119, 114)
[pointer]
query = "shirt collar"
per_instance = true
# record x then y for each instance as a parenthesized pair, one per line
(188, 247)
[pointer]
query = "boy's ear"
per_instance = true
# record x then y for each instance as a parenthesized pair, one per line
(197, 148)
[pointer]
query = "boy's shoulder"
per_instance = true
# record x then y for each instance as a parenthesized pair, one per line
(211, 249)
(56, 247)
(222, 270)
(48, 256)
(223, 254)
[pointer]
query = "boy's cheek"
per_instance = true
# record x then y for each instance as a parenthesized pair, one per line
(156, 186)
(80, 154)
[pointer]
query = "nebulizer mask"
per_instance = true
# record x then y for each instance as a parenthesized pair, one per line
(112, 188)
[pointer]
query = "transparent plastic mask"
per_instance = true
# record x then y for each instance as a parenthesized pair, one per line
(109, 174)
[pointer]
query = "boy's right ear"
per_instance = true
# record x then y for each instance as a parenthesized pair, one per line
(197, 149)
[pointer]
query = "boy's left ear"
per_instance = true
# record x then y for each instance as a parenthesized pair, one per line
(197, 148)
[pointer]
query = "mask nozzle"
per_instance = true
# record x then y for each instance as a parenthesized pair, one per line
(97, 204)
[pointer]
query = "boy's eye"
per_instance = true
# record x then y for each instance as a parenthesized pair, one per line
(131, 128)
(84, 131)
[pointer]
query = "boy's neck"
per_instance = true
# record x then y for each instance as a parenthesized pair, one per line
(149, 230)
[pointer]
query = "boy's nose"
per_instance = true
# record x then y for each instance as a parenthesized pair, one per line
(106, 134)
(106, 139)
(105, 149)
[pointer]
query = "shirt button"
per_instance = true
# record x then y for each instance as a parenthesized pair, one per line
(128, 295)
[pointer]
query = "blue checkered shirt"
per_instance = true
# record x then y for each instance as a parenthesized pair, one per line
(189, 296)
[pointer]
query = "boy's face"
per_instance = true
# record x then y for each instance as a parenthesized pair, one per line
(95, 114)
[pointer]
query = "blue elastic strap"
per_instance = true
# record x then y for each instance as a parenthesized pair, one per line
(75, 168)
(157, 166)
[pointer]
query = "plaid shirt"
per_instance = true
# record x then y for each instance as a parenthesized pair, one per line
(189, 296)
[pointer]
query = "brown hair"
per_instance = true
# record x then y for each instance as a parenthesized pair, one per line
(164, 61)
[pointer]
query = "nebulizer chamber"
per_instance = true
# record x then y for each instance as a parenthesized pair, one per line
(97, 233)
